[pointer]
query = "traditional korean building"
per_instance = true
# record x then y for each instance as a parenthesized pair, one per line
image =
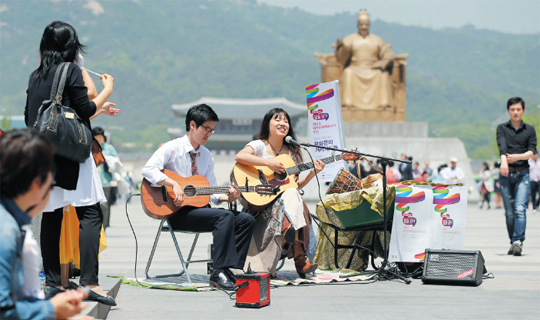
(240, 119)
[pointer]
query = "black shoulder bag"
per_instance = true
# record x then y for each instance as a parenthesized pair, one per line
(71, 137)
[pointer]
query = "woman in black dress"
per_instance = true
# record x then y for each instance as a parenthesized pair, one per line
(77, 184)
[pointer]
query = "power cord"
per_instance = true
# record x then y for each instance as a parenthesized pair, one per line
(135, 236)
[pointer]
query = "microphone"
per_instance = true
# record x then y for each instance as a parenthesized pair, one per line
(288, 139)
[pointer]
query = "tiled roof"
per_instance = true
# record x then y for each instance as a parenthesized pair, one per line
(243, 108)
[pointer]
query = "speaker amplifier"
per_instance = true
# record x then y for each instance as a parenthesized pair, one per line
(459, 267)
(253, 290)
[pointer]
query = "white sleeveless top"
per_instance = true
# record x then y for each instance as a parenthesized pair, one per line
(259, 150)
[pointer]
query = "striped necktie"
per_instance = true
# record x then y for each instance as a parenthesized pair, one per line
(194, 169)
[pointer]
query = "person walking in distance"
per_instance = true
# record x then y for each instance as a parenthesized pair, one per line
(486, 185)
(534, 164)
(517, 144)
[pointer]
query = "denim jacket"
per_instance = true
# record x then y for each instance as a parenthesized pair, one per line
(13, 305)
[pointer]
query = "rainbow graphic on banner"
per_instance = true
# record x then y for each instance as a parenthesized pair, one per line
(440, 200)
(313, 97)
(420, 256)
(404, 197)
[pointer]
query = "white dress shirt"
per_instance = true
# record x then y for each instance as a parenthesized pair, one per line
(174, 155)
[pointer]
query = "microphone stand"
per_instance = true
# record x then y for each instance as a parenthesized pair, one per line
(384, 271)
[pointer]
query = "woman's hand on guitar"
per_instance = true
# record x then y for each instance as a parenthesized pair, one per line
(276, 166)
(318, 166)
(234, 193)
(179, 194)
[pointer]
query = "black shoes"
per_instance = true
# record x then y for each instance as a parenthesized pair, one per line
(230, 275)
(72, 286)
(52, 291)
(108, 300)
(221, 280)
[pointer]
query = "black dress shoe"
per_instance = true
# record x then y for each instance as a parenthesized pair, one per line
(230, 275)
(52, 291)
(72, 286)
(219, 279)
(108, 300)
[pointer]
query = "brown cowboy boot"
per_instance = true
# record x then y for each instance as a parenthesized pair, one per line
(301, 262)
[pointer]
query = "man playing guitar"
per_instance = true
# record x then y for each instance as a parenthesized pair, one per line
(187, 156)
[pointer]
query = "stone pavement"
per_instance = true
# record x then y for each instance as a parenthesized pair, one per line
(514, 293)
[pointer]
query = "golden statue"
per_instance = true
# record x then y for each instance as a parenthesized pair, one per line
(371, 77)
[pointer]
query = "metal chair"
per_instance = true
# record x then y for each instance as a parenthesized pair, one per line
(185, 263)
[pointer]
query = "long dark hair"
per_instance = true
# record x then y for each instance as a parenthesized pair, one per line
(59, 43)
(265, 131)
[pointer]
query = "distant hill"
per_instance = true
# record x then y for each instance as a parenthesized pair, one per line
(165, 52)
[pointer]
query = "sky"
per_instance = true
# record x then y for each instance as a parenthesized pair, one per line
(508, 16)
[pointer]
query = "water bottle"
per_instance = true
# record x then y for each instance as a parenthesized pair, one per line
(41, 276)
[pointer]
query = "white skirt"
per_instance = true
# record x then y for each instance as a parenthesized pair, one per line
(89, 190)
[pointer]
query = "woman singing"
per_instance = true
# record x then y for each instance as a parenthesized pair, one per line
(286, 222)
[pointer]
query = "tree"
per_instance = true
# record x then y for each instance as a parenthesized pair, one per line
(5, 123)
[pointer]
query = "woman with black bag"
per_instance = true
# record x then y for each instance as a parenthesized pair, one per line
(77, 183)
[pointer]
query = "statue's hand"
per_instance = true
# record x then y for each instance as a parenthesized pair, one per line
(339, 43)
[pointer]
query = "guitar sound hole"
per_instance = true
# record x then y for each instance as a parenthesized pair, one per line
(280, 176)
(190, 191)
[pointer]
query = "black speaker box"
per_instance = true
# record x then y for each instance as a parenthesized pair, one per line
(457, 267)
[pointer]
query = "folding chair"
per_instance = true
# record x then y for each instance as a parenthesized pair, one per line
(185, 263)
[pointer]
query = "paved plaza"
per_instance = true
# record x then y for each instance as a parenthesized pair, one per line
(514, 293)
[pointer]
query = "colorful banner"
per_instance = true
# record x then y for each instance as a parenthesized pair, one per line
(325, 124)
(449, 210)
(427, 217)
(412, 222)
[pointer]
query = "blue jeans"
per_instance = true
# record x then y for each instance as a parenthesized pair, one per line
(515, 193)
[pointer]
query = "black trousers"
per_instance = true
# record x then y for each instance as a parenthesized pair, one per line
(106, 207)
(90, 222)
(535, 198)
(232, 231)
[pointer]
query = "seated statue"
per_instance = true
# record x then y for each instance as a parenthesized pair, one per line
(365, 82)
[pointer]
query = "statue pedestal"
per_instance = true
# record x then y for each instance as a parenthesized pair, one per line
(389, 114)
(381, 129)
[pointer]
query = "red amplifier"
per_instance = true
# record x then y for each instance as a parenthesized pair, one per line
(253, 290)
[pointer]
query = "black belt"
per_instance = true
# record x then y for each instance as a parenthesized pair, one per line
(516, 169)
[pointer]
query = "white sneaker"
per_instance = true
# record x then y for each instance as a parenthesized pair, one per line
(511, 250)
(517, 247)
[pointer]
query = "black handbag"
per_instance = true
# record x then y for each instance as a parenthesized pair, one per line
(71, 137)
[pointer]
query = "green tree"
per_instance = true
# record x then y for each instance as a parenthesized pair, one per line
(533, 118)
(5, 123)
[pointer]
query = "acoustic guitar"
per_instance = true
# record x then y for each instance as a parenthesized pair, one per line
(158, 202)
(262, 175)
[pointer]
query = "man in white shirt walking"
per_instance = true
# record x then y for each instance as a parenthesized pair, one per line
(187, 156)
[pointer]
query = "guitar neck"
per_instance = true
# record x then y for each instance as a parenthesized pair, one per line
(307, 166)
(221, 189)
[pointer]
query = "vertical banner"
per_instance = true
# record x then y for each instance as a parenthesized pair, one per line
(449, 209)
(325, 124)
(427, 216)
(411, 229)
